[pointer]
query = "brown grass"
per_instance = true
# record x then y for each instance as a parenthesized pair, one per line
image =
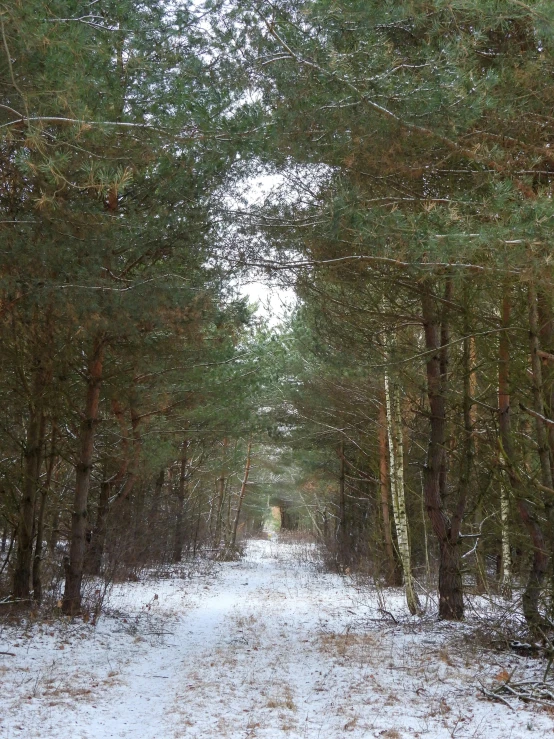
(391, 734)
(361, 648)
(282, 699)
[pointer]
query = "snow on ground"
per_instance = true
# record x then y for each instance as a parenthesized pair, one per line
(267, 647)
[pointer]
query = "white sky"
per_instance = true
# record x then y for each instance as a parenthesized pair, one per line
(274, 301)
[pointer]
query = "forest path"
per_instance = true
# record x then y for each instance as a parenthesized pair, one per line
(268, 647)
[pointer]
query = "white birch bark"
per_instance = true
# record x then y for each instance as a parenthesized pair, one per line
(396, 455)
(506, 584)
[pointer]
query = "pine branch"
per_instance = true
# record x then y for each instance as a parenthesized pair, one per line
(527, 191)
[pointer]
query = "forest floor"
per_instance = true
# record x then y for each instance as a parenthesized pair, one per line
(270, 646)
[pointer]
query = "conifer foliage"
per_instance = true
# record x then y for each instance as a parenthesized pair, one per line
(117, 322)
(405, 414)
(423, 258)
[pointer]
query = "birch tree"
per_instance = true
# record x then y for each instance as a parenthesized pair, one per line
(396, 453)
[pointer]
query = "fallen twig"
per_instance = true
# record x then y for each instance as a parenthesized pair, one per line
(389, 614)
(528, 691)
(495, 697)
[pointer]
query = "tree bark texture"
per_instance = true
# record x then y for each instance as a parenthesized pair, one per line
(396, 455)
(507, 577)
(546, 337)
(54, 531)
(444, 365)
(37, 559)
(181, 497)
(133, 463)
(158, 490)
(468, 447)
(341, 528)
(451, 604)
(74, 563)
(95, 551)
(221, 484)
(394, 576)
(537, 383)
(539, 566)
(32, 463)
(242, 493)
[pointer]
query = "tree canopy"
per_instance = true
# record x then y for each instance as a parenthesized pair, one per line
(403, 413)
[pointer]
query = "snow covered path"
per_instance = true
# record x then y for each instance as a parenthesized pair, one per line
(268, 647)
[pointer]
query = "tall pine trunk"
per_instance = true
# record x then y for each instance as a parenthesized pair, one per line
(546, 335)
(451, 603)
(37, 559)
(538, 392)
(541, 415)
(539, 566)
(181, 497)
(154, 545)
(221, 486)
(468, 444)
(54, 531)
(74, 563)
(444, 363)
(32, 462)
(156, 499)
(342, 534)
(95, 551)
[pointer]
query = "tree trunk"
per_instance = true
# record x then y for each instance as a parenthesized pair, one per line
(506, 582)
(37, 560)
(480, 565)
(54, 531)
(538, 396)
(197, 527)
(158, 490)
(341, 527)
(181, 496)
(153, 545)
(123, 504)
(25, 529)
(9, 554)
(396, 455)
(242, 494)
(540, 407)
(444, 363)
(95, 551)
(468, 445)
(537, 574)
(546, 335)
(134, 462)
(221, 496)
(394, 576)
(451, 603)
(74, 563)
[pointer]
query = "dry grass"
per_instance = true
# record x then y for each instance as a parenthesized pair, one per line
(282, 699)
(444, 656)
(359, 648)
